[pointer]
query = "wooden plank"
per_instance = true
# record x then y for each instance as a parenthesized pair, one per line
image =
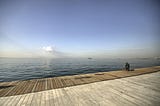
(49, 84)
(133, 93)
(68, 82)
(21, 100)
(58, 83)
(41, 83)
(34, 101)
(6, 92)
(30, 85)
(26, 98)
(34, 85)
(16, 100)
(21, 88)
(7, 101)
(144, 85)
(63, 82)
(139, 89)
(54, 83)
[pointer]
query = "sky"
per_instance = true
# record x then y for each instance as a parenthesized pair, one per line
(79, 28)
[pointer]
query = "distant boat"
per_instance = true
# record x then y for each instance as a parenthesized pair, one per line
(89, 58)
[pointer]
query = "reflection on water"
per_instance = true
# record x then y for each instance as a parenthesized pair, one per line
(23, 69)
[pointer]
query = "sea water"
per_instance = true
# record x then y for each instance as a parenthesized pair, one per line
(12, 69)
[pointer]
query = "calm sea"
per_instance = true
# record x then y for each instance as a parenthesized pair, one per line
(23, 69)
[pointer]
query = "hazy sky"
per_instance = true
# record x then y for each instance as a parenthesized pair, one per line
(79, 28)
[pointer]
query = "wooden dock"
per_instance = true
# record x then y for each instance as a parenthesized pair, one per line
(37, 85)
(141, 90)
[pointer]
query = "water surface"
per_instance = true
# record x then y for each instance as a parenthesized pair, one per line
(23, 69)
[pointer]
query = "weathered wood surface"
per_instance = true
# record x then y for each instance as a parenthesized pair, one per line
(36, 85)
(142, 90)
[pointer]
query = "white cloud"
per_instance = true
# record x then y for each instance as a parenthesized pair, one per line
(49, 49)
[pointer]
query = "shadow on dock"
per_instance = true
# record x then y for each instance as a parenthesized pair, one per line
(4, 87)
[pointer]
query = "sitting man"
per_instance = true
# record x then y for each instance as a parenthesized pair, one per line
(127, 66)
